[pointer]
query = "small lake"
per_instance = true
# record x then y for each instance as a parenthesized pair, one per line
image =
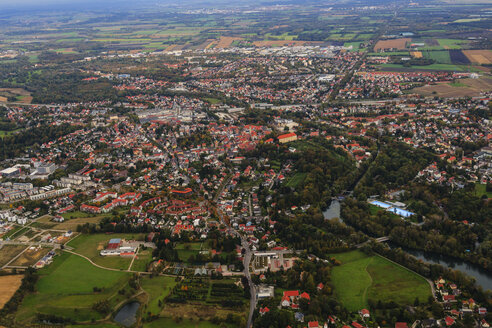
(127, 315)
(482, 277)
(333, 211)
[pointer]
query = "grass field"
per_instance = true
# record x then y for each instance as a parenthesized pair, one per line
(480, 190)
(158, 288)
(297, 179)
(65, 288)
(440, 56)
(91, 245)
(362, 277)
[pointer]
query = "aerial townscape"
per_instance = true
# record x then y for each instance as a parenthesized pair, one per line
(256, 163)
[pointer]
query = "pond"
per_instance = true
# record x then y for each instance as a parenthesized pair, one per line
(127, 315)
(482, 277)
(333, 211)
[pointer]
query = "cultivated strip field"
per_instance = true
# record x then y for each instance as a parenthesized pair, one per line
(479, 56)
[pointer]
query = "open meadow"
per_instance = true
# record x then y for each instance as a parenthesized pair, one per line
(66, 289)
(361, 277)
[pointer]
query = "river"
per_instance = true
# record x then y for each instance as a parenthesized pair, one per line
(127, 315)
(333, 211)
(482, 277)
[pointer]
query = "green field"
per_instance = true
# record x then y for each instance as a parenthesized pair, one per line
(440, 56)
(297, 179)
(433, 67)
(157, 288)
(65, 288)
(362, 277)
(480, 190)
(91, 245)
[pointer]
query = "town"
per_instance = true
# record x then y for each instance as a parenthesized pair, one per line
(234, 181)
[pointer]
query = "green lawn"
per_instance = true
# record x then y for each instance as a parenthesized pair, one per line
(65, 288)
(158, 288)
(362, 277)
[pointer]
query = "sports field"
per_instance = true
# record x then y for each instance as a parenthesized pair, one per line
(361, 277)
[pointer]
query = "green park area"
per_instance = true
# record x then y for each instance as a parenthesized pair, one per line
(481, 189)
(70, 287)
(361, 277)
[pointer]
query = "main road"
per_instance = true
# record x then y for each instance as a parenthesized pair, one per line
(246, 256)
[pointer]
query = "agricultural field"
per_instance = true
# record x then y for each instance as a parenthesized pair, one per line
(439, 56)
(465, 87)
(399, 44)
(8, 286)
(62, 291)
(479, 56)
(361, 277)
(432, 67)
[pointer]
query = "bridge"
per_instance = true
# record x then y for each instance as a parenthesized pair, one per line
(377, 240)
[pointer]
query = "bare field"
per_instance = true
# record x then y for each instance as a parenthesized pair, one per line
(8, 287)
(8, 252)
(472, 88)
(30, 257)
(416, 54)
(73, 223)
(479, 56)
(226, 41)
(399, 44)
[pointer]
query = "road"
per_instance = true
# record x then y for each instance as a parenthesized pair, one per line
(247, 254)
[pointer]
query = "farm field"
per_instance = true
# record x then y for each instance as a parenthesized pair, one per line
(361, 277)
(8, 287)
(466, 87)
(439, 56)
(91, 245)
(432, 67)
(479, 56)
(399, 44)
(61, 291)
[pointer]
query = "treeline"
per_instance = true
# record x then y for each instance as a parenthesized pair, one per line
(15, 145)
